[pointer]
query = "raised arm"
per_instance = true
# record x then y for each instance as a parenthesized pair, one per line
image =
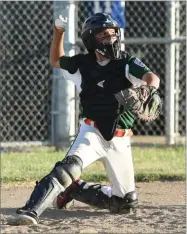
(57, 47)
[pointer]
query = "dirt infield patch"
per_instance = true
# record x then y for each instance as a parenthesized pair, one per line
(162, 209)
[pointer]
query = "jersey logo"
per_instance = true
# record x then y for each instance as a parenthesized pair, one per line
(139, 63)
(101, 83)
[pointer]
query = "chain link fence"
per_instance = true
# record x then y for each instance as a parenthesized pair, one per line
(26, 75)
(26, 34)
(146, 26)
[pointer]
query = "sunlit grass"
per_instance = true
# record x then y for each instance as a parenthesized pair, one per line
(150, 164)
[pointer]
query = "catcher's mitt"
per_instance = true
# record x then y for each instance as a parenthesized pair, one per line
(144, 101)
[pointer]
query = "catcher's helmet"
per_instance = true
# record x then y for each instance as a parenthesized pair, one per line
(96, 23)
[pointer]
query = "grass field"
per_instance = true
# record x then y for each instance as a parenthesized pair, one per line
(150, 164)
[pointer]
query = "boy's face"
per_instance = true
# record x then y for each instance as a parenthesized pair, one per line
(106, 36)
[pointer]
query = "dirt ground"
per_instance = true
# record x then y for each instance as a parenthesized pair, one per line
(162, 209)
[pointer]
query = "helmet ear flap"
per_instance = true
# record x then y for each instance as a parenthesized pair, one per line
(88, 40)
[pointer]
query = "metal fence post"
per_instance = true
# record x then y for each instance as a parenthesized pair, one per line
(63, 91)
(170, 76)
(177, 65)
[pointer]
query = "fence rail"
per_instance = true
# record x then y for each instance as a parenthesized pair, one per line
(154, 40)
(26, 77)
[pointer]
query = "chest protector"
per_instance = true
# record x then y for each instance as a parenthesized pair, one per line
(99, 84)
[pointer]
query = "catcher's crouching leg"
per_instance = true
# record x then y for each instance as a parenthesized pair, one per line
(100, 196)
(47, 189)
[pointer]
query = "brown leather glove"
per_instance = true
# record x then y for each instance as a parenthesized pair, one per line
(144, 101)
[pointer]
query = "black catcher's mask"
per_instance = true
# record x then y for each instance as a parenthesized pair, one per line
(95, 24)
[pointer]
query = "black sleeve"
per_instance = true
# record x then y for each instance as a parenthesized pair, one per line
(71, 64)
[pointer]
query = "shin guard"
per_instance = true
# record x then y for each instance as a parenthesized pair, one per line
(91, 194)
(43, 195)
(48, 188)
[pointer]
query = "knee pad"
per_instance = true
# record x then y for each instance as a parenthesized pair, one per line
(123, 205)
(67, 170)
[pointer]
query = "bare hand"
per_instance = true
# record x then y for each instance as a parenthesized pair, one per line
(61, 23)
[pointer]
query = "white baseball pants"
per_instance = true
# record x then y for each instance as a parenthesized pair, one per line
(116, 156)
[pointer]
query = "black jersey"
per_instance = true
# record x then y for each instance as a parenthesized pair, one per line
(97, 85)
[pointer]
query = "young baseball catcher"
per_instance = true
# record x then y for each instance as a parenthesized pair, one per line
(114, 89)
